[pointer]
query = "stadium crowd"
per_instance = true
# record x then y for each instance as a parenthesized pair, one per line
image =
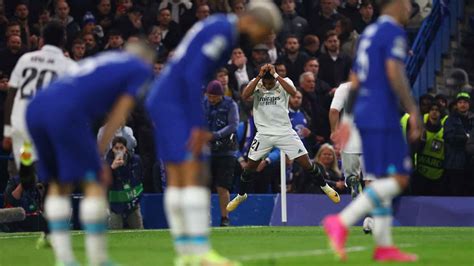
(314, 49)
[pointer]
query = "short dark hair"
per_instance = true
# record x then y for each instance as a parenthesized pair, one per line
(119, 139)
(54, 33)
(366, 3)
(329, 34)
(426, 96)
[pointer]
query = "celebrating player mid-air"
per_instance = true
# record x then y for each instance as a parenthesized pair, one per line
(271, 94)
(379, 77)
(175, 106)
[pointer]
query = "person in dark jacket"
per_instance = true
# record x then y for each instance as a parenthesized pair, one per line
(126, 188)
(223, 119)
(457, 132)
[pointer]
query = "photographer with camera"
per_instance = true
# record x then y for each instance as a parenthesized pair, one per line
(26, 192)
(223, 118)
(126, 188)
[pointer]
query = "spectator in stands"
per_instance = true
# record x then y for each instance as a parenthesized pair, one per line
(316, 106)
(293, 24)
(28, 194)
(442, 101)
(43, 19)
(11, 54)
(366, 16)
(293, 59)
(154, 40)
(274, 49)
(170, 30)
(240, 71)
(158, 66)
(222, 75)
(202, 12)
(104, 15)
(89, 26)
(428, 178)
(90, 41)
(334, 65)
(347, 36)
(426, 101)
(259, 58)
(311, 45)
(223, 118)
(326, 156)
(13, 28)
(29, 36)
(3, 22)
(131, 24)
(179, 9)
(350, 10)
(280, 69)
(458, 130)
(3, 163)
(62, 14)
(78, 49)
(115, 41)
(219, 6)
(238, 7)
(324, 21)
(125, 4)
(125, 132)
(322, 87)
(298, 117)
(126, 188)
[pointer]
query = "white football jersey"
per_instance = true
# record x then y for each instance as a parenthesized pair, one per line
(33, 71)
(270, 109)
(338, 102)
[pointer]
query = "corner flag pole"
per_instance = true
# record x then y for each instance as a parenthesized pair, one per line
(283, 187)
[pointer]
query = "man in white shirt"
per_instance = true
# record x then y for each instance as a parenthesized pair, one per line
(352, 154)
(271, 94)
(33, 71)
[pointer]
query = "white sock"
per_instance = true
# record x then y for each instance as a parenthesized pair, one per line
(175, 218)
(58, 209)
(196, 206)
(93, 215)
(379, 191)
(382, 231)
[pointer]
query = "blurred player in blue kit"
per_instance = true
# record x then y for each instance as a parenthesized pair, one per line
(175, 106)
(59, 120)
(379, 79)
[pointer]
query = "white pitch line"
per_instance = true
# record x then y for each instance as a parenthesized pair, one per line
(293, 254)
(75, 233)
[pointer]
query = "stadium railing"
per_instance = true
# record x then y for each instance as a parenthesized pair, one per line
(431, 43)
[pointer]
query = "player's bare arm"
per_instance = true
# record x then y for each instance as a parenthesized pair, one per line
(249, 90)
(122, 108)
(399, 83)
(286, 86)
(7, 142)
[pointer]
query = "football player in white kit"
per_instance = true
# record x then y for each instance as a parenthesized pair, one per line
(271, 94)
(32, 71)
(352, 160)
(351, 154)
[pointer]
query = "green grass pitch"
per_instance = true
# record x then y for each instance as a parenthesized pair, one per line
(258, 246)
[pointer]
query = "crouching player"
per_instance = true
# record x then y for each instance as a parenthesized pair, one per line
(59, 120)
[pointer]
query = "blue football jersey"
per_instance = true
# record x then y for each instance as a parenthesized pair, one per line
(91, 88)
(377, 105)
(206, 46)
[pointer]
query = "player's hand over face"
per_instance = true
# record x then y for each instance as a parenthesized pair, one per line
(198, 139)
(263, 70)
(271, 68)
